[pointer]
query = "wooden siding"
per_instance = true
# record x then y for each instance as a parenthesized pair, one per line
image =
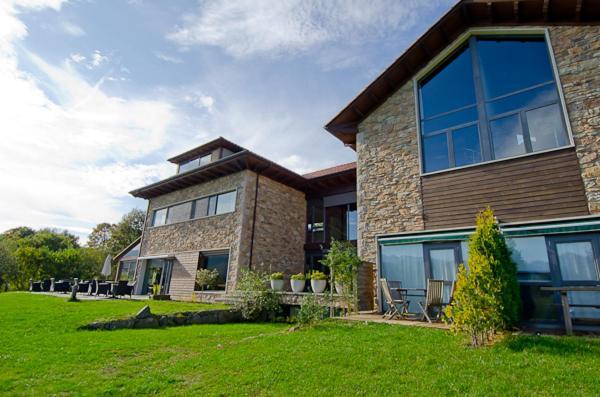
(543, 186)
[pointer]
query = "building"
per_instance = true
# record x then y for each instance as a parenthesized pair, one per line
(498, 104)
(229, 209)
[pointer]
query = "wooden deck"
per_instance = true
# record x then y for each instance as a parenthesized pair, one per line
(370, 317)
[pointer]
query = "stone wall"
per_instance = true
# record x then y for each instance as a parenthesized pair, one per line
(279, 232)
(186, 239)
(577, 53)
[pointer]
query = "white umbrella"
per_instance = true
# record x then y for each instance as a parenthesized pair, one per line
(106, 267)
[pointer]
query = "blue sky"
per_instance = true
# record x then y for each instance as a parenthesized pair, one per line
(95, 95)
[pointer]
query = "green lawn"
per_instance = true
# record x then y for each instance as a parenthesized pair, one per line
(43, 353)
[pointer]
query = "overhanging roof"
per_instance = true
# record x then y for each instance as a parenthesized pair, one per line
(464, 15)
(244, 160)
(206, 148)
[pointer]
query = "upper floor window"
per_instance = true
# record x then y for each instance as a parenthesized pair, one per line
(494, 98)
(212, 205)
(195, 163)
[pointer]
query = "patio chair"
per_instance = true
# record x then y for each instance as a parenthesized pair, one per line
(433, 298)
(396, 307)
(450, 299)
(45, 285)
(123, 288)
(35, 286)
(63, 286)
(100, 288)
(84, 287)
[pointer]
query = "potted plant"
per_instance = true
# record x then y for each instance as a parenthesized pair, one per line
(277, 281)
(318, 281)
(298, 281)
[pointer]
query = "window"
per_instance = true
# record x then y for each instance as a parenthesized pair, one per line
(340, 222)
(127, 271)
(188, 165)
(530, 255)
(205, 160)
(180, 212)
(494, 98)
(218, 262)
(213, 205)
(226, 203)
(315, 224)
(195, 163)
(160, 217)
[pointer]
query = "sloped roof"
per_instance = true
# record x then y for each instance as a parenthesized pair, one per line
(331, 170)
(464, 15)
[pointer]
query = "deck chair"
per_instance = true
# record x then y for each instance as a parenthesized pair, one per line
(450, 299)
(396, 307)
(433, 298)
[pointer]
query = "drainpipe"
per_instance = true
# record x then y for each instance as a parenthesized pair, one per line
(253, 220)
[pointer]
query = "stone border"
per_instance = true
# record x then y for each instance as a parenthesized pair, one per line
(145, 319)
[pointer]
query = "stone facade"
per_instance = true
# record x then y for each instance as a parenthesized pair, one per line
(388, 168)
(388, 180)
(279, 233)
(278, 236)
(577, 53)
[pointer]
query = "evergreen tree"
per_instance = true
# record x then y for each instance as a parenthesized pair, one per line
(486, 298)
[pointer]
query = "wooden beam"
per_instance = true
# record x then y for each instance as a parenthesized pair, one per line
(357, 111)
(545, 9)
(578, 6)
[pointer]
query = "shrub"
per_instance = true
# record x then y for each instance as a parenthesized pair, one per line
(299, 277)
(343, 260)
(256, 300)
(277, 276)
(206, 278)
(487, 298)
(311, 311)
(317, 275)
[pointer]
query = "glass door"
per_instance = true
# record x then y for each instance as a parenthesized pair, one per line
(576, 264)
(442, 260)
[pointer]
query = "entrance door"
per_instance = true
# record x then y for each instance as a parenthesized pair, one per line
(575, 262)
(441, 261)
(157, 270)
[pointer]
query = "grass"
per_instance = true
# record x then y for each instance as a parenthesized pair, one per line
(42, 353)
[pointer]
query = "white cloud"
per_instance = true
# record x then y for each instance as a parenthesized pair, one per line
(201, 101)
(97, 59)
(168, 58)
(72, 29)
(77, 58)
(63, 160)
(249, 27)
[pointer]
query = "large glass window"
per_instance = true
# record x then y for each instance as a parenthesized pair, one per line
(180, 212)
(218, 262)
(495, 98)
(403, 266)
(188, 165)
(226, 203)
(160, 217)
(127, 271)
(530, 255)
(315, 226)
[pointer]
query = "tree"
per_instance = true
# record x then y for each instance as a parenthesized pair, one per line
(100, 236)
(487, 297)
(126, 231)
(344, 262)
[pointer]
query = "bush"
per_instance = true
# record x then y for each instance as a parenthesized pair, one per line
(343, 261)
(311, 311)
(299, 277)
(487, 298)
(255, 300)
(206, 278)
(277, 276)
(317, 275)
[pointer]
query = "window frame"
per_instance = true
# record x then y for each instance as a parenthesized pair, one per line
(214, 252)
(486, 148)
(193, 208)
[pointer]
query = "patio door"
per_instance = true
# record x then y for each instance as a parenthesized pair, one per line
(575, 262)
(441, 263)
(159, 268)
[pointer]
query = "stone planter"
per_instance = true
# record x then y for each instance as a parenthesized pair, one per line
(318, 286)
(277, 285)
(297, 285)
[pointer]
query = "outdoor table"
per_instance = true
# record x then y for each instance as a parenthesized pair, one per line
(564, 301)
(404, 293)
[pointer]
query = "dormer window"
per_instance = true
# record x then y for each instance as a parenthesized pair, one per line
(494, 98)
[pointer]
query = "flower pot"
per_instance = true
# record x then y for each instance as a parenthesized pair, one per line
(339, 287)
(298, 285)
(318, 286)
(276, 285)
